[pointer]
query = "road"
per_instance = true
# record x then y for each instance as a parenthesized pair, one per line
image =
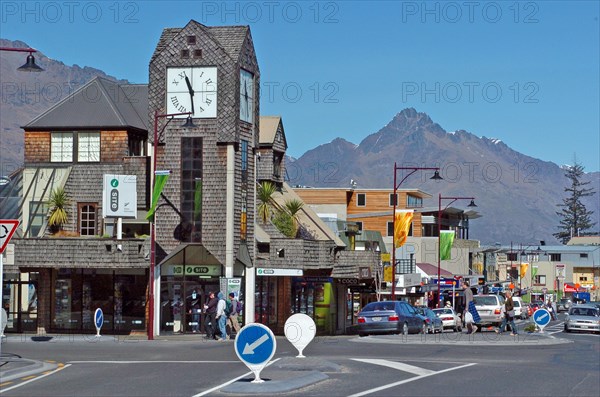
(448, 365)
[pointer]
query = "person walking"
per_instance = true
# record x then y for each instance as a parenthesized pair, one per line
(233, 315)
(509, 315)
(210, 308)
(470, 319)
(222, 317)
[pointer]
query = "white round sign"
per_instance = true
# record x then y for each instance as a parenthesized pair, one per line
(300, 330)
(3, 321)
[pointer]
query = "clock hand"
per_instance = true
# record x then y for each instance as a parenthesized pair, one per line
(191, 90)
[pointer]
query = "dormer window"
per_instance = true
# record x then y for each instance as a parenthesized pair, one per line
(191, 40)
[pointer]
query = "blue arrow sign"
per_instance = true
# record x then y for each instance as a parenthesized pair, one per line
(98, 318)
(541, 317)
(255, 344)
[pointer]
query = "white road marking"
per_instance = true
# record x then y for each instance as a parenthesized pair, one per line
(397, 365)
(364, 393)
(34, 379)
(204, 393)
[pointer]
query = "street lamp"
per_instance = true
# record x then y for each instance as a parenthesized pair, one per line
(439, 219)
(436, 176)
(189, 123)
(30, 65)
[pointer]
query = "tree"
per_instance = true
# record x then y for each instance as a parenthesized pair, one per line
(575, 218)
(58, 212)
(265, 198)
(294, 206)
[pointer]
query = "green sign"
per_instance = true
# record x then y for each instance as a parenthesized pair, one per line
(114, 183)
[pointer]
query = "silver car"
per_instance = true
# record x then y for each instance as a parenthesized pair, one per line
(489, 308)
(585, 318)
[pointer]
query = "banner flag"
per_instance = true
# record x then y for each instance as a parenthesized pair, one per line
(446, 241)
(523, 269)
(534, 272)
(198, 199)
(402, 222)
(160, 179)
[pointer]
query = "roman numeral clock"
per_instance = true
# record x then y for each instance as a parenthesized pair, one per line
(192, 89)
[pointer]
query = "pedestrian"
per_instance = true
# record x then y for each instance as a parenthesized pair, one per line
(509, 315)
(233, 315)
(222, 317)
(177, 305)
(195, 312)
(210, 322)
(468, 299)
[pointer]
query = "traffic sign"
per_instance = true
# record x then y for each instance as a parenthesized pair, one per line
(300, 330)
(98, 320)
(255, 345)
(7, 229)
(542, 318)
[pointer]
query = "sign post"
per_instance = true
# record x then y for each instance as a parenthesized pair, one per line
(255, 345)
(98, 321)
(542, 318)
(7, 229)
(300, 330)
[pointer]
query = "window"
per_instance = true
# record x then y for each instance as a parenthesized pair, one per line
(197, 53)
(185, 53)
(392, 201)
(277, 160)
(554, 257)
(390, 229)
(539, 279)
(88, 147)
(511, 256)
(37, 216)
(583, 255)
(412, 201)
(61, 147)
(191, 40)
(582, 278)
(361, 200)
(360, 225)
(191, 189)
(87, 219)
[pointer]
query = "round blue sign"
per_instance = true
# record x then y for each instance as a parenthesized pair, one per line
(98, 318)
(255, 344)
(541, 317)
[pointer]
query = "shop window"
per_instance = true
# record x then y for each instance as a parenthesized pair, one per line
(88, 147)
(361, 200)
(61, 147)
(87, 219)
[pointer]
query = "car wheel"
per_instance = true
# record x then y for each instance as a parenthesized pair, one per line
(362, 335)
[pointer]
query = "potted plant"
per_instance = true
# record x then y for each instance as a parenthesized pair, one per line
(58, 213)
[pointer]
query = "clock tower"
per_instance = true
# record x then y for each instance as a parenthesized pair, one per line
(212, 73)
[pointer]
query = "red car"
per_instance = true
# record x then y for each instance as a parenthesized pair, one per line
(533, 307)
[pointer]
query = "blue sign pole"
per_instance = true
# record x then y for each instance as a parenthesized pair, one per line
(255, 346)
(98, 321)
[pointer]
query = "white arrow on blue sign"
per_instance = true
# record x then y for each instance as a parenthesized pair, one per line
(255, 346)
(541, 317)
(98, 320)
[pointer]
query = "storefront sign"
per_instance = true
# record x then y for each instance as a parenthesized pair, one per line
(191, 270)
(316, 279)
(261, 271)
(229, 285)
(119, 196)
(348, 281)
(408, 280)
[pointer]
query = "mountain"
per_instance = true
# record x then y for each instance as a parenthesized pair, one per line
(517, 195)
(26, 95)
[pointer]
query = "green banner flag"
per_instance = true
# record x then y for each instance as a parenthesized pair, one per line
(534, 272)
(160, 179)
(446, 241)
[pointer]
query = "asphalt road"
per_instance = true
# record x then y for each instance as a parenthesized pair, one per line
(447, 365)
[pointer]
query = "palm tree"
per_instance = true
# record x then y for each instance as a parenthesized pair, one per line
(265, 197)
(294, 206)
(58, 213)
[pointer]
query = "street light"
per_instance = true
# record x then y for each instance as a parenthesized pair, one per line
(189, 123)
(440, 198)
(30, 65)
(436, 176)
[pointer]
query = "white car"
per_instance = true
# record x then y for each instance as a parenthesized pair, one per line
(490, 309)
(520, 308)
(584, 318)
(449, 318)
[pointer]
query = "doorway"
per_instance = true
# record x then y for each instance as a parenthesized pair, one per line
(19, 300)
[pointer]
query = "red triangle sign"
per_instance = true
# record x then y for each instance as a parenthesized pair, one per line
(7, 229)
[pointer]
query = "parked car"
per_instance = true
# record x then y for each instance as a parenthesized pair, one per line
(389, 317)
(585, 318)
(520, 308)
(449, 318)
(564, 305)
(489, 308)
(532, 308)
(433, 322)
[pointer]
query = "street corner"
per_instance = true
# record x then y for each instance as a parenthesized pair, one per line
(14, 368)
(275, 381)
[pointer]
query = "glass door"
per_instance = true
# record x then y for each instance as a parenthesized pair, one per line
(19, 300)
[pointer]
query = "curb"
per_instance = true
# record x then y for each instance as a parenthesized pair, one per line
(25, 367)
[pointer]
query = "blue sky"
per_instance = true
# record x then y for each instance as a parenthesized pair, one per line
(526, 73)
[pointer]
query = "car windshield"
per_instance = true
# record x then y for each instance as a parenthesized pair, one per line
(485, 300)
(584, 311)
(379, 306)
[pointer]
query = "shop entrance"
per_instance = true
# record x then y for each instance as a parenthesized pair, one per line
(19, 300)
(182, 302)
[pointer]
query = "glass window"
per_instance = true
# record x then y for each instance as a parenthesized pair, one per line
(191, 189)
(361, 200)
(61, 147)
(38, 212)
(88, 147)
(412, 201)
(87, 219)
(540, 279)
(393, 199)
(360, 225)
(390, 229)
(554, 257)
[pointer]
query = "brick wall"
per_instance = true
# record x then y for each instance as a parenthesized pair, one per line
(37, 147)
(113, 146)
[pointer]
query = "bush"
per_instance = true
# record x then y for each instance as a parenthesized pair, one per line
(285, 224)
(530, 327)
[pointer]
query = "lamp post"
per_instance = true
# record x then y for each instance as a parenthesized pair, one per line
(436, 176)
(440, 198)
(30, 65)
(188, 123)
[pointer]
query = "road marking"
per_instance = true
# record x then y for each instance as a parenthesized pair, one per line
(5, 384)
(204, 393)
(397, 365)
(364, 393)
(33, 380)
(28, 377)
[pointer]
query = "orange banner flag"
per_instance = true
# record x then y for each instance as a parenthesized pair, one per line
(402, 222)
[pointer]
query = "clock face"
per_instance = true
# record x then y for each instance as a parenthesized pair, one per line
(192, 88)
(246, 96)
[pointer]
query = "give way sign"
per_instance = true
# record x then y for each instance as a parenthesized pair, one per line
(7, 229)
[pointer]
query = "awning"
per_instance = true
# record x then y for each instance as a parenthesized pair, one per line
(190, 254)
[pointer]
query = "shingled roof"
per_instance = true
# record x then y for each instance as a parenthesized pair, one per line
(100, 103)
